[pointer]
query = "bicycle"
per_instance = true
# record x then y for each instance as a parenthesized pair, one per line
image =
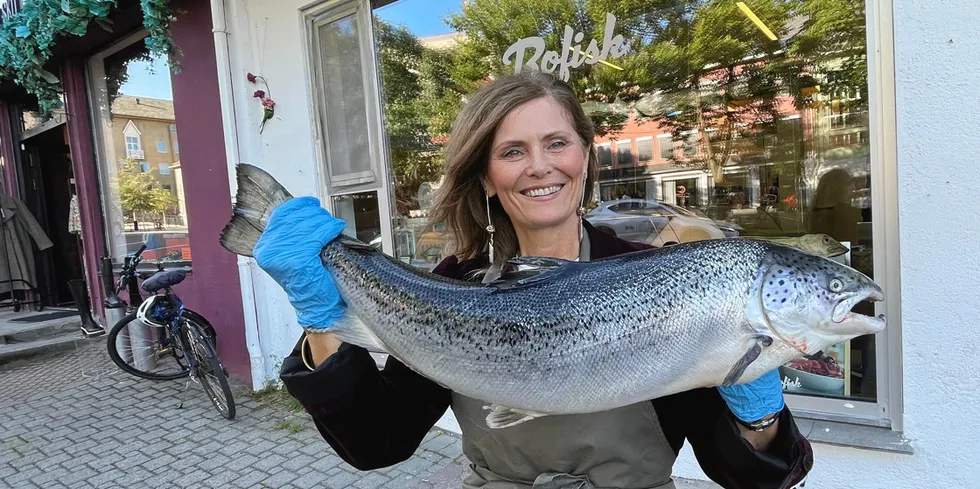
(153, 340)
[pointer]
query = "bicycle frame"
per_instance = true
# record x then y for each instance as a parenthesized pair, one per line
(174, 327)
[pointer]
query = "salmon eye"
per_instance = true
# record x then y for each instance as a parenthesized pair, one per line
(836, 285)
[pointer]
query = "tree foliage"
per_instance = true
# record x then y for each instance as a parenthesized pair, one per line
(27, 39)
(701, 69)
(140, 193)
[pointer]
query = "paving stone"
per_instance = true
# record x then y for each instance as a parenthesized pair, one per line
(74, 420)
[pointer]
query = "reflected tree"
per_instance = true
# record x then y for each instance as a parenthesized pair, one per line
(701, 69)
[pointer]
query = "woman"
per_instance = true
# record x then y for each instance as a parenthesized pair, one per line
(520, 166)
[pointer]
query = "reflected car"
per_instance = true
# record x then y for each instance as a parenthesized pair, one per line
(656, 223)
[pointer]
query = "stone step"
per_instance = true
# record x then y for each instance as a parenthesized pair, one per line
(20, 332)
(65, 341)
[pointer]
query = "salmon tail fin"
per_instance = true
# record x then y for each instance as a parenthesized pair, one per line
(258, 195)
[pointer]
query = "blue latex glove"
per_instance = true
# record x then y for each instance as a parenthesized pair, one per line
(757, 399)
(289, 251)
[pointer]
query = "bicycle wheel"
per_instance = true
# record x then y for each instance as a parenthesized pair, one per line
(210, 371)
(146, 351)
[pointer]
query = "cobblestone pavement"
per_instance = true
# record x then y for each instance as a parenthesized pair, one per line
(73, 420)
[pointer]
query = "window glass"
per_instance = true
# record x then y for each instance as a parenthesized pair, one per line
(760, 122)
(344, 103)
(624, 152)
(142, 190)
(644, 150)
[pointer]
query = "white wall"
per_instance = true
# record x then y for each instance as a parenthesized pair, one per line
(266, 39)
(937, 62)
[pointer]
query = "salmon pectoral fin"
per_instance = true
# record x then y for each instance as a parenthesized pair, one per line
(350, 329)
(505, 417)
(756, 344)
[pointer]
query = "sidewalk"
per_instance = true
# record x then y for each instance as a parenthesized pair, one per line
(73, 420)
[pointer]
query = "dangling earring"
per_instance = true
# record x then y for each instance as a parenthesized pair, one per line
(490, 228)
(581, 211)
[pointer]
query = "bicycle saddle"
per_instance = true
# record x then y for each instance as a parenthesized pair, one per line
(164, 279)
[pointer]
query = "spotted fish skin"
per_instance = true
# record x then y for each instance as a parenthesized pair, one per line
(582, 337)
(588, 337)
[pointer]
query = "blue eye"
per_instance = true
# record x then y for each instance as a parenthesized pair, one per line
(559, 144)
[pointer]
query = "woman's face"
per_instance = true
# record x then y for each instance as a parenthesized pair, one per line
(537, 165)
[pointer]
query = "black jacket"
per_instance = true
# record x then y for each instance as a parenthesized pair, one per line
(375, 419)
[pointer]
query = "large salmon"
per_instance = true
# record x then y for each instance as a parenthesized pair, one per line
(575, 337)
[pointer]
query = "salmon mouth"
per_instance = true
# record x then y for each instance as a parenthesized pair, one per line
(844, 311)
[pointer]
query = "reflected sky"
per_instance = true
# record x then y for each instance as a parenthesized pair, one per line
(148, 80)
(422, 18)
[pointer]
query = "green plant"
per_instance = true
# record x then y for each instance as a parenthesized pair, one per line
(27, 38)
(139, 192)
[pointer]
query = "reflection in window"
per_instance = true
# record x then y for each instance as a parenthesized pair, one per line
(361, 212)
(666, 143)
(604, 154)
(142, 195)
(624, 152)
(644, 150)
(753, 137)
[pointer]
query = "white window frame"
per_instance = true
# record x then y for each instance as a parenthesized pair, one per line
(166, 149)
(163, 166)
(131, 131)
(377, 179)
(887, 410)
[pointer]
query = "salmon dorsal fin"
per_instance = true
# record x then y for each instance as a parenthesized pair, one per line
(524, 271)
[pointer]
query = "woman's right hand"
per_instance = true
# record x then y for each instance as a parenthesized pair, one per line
(289, 251)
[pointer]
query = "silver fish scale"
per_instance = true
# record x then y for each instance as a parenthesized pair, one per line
(595, 336)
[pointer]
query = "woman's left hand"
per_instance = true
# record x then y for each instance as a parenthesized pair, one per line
(755, 400)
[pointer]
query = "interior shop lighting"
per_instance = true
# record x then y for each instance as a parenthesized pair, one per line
(755, 20)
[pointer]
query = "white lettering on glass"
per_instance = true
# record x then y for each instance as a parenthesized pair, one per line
(571, 56)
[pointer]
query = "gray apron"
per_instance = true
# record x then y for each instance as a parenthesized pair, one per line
(622, 448)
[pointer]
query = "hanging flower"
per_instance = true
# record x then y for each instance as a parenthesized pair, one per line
(268, 105)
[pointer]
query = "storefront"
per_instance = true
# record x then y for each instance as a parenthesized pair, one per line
(767, 119)
(105, 172)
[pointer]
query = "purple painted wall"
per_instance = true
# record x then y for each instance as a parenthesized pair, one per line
(212, 289)
(84, 165)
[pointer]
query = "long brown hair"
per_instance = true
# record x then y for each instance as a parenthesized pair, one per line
(461, 200)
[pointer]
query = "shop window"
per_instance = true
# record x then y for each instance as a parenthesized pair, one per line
(132, 99)
(787, 148)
